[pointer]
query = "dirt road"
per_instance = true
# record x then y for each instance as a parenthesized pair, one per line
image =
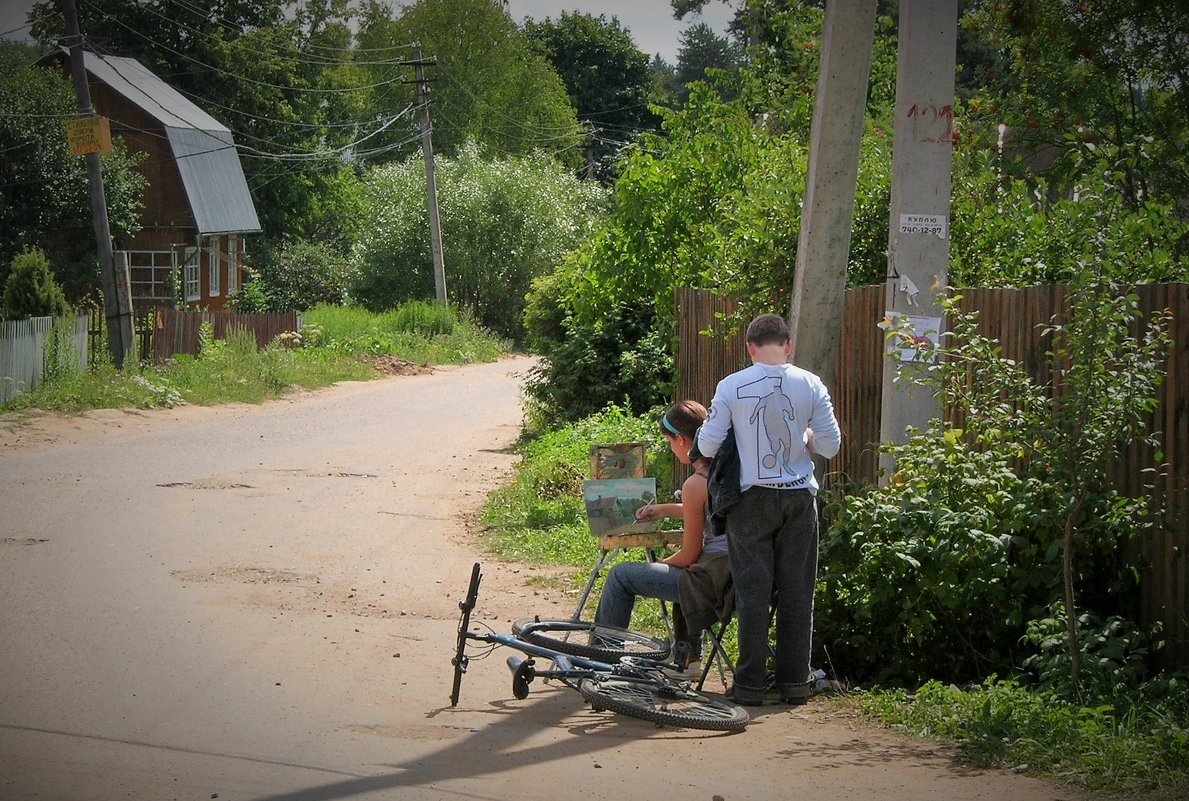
(258, 602)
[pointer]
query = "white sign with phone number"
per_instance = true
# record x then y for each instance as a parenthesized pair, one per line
(933, 224)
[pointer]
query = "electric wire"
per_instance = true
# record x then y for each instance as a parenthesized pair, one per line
(257, 152)
(244, 78)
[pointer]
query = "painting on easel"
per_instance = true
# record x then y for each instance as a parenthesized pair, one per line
(611, 505)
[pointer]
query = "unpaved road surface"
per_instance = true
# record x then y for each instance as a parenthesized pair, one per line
(259, 602)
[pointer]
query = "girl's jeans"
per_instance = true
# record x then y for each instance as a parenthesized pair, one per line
(629, 580)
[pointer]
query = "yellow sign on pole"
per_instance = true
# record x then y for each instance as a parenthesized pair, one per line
(88, 135)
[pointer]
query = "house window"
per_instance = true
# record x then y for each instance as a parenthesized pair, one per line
(190, 275)
(232, 264)
(216, 264)
(151, 276)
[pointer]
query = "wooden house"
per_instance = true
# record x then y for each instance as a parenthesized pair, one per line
(197, 212)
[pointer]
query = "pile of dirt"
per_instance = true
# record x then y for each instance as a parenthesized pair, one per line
(391, 365)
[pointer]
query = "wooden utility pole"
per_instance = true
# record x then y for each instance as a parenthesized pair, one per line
(116, 307)
(922, 160)
(819, 287)
(431, 182)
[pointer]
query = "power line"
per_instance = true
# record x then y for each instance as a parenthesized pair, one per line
(244, 78)
(256, 152)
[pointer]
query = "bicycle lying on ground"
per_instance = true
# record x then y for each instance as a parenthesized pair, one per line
(632, 684)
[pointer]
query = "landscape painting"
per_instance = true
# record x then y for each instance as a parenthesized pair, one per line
(611, 505)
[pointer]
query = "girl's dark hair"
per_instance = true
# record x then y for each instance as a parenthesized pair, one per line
(685, 416)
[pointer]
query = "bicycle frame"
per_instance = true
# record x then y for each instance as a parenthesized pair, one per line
(566, 667)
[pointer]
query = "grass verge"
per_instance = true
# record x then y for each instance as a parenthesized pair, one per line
(1131, 747)
(333, 346)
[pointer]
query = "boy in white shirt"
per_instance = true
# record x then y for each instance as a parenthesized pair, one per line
(781, 416)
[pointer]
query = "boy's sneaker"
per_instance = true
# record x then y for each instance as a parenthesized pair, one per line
(734, 696)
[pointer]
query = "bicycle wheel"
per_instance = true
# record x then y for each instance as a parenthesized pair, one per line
(593, 641)
(663, 703)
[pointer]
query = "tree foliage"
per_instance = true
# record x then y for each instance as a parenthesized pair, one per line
(297, 276)
(504, 221)
(44, 192)
(487, 83)
(31, 290)
(608, 79)
(1016, 231)
(703, 54)
(1109, 73)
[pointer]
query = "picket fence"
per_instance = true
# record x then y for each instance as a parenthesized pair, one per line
(23, 351)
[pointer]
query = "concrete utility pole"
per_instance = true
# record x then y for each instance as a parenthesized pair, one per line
(116, 307)
(922, 156)
(819, 288)
(431, 182)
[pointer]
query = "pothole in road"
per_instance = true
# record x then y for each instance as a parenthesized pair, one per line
(247, 575)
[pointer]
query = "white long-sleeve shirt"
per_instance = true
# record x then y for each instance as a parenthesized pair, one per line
(770, 406)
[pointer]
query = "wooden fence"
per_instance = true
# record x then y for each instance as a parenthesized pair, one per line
(707, 352)
(142, 337)
(176, 331)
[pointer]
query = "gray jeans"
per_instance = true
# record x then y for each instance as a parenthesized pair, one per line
(772, 537)
(630, 580)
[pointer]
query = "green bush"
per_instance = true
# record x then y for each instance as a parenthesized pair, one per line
(294, 277)
(31, 290)
(622, 359)
(504, 222)
(980, 530)
(931, 575)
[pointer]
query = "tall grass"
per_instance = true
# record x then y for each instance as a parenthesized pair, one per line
(1129, 747)
(418, 331)
(333, 347)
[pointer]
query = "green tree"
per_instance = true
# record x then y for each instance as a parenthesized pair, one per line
(505, 220)
(714, 203)
(31, 290)
(701, 53)
(1014, 231)
(44, 190)
(488, 84)
(1110, 73)
(297, 276)
(607, 77)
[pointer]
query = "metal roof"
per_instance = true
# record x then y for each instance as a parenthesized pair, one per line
(202, 146)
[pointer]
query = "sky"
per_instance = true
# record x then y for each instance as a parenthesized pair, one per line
(650, 22)
(12, 18)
